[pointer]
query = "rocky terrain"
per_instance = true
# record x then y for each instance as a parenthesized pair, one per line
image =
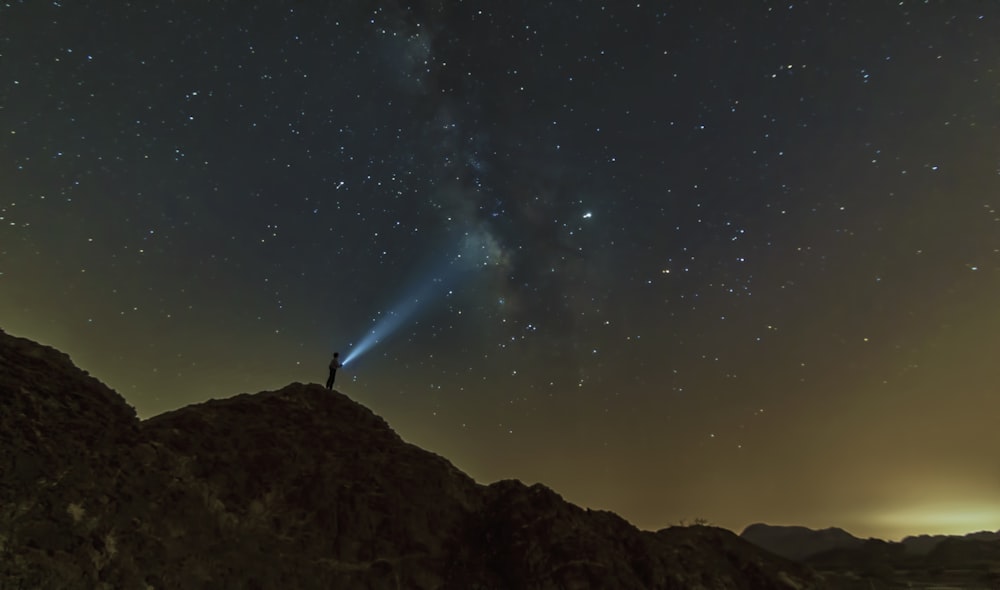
(298, 488)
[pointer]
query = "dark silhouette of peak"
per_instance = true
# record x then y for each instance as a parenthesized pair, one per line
(798, 542)
(266, 439)
(316, 473)
(298, 488)
(43, 389)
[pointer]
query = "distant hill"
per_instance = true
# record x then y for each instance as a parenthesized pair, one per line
(298, 488)
(798, 542)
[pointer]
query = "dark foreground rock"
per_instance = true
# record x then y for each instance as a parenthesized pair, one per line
(297, 488)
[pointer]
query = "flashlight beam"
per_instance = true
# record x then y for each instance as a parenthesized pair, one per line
(390, 321)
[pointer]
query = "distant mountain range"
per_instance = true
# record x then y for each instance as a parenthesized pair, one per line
(299, 488)
(798, 542)
(801, 544)
(945, 561)
(924, 544)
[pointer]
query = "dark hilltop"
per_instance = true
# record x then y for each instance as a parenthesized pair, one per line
(298, 488)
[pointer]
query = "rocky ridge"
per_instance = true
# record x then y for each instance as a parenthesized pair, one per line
(298, 488)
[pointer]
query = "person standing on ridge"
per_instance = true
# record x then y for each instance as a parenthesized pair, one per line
(334, 365)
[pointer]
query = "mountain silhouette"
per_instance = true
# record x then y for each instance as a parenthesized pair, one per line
(298, 488)
(923, 544)
(798, 542)
(845, 561)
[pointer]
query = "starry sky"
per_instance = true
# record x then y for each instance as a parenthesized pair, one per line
(726, 260)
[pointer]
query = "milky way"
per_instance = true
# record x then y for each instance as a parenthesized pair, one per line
(737, 261)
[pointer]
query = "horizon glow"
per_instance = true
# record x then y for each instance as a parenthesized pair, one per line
(943, 518)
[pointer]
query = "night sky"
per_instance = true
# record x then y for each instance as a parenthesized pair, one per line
(737, 261)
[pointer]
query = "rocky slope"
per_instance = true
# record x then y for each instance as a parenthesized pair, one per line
(297, 488)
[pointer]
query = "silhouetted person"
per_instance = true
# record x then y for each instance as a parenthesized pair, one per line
(334, 365)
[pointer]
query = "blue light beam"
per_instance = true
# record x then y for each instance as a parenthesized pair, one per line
(478, 249)
(391, 320)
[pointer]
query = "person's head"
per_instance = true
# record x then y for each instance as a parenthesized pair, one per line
(336, 354)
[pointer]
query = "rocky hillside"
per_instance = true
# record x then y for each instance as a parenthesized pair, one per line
(297, 488)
